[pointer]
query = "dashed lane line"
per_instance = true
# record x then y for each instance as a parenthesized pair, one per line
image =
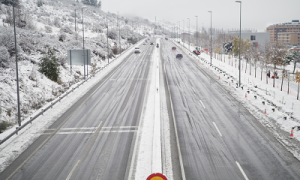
(217, 129)
(202, 104)
(241, 169)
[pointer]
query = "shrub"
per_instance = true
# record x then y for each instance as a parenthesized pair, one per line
(48, 29)
(66, 29)
(112, 34)
(62, 37)
(4, 125)
(49, 66)
(57, 22)
(4, 57)
(39, 3)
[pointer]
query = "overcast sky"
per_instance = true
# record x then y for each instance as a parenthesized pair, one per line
(256, 14)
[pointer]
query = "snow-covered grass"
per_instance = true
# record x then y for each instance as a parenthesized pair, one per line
(277, 110)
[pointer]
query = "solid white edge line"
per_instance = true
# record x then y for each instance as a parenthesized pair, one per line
(217, 129)
(241, 169)
(202, 104)
(70, 175)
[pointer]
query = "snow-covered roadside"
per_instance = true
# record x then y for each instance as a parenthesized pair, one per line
(14, 146)
(149, 153)
(281, 109)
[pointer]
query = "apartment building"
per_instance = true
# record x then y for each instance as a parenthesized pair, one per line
(290, 27)
(289, 38)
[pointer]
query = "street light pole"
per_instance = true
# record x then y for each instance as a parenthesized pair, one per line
(189, 35)
(83, 44)
(107, 41)
(17, 74)
(183, 34)
(179, 31)
(196, 30)
(240, 42)
(210, 37)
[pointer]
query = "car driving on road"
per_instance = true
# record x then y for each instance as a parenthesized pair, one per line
(137, 50)
(179, 56)
(173, 48)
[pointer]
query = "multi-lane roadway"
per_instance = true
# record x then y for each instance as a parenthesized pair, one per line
(212, 135)
(95, 137)
(218, 138)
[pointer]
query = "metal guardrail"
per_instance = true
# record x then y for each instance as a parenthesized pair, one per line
(15, 132)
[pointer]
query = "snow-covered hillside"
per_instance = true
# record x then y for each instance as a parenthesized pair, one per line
(52, 26)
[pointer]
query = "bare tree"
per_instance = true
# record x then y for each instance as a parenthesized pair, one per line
(277, 53)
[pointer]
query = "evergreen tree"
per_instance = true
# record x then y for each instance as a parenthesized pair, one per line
(10, 2)
(293, 56)
(49, 66)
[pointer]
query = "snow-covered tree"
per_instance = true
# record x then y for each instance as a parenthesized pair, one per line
(293, 56)
(4, 56)
(49, 65)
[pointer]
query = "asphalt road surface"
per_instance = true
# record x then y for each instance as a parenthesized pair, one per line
(218, 137)
(95, 137)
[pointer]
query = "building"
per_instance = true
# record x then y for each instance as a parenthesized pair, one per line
(274, 29)
(289, 38)
(255, 38)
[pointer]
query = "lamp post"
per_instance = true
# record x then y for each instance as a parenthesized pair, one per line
(196, 30)
(183, 34)
(179, 31)
(107, 41)
(75, 19)
(189, 35)
(18, 94)
(210, 37)
(240, 42)
(83, 44)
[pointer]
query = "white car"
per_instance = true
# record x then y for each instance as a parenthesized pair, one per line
(137, 50)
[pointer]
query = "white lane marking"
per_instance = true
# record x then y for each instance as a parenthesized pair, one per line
(69, 176)
(194, 90)
(91, 132)
(241, 169)
(93, 128)
(202, 104)
(217, 129)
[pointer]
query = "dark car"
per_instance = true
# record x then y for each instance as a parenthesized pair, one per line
(166, 38)
(173, 48)
(196, 52)
(179, 56)
(151, 43)
(157, 45)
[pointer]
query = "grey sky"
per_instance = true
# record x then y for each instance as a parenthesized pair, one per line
(256, 14)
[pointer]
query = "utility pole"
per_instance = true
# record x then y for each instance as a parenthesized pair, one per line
(240, 42)
(197, 31)
(189, 35)
(210, 37)
(18, 93)
(75, 20)
(107, 41)
(83, 44)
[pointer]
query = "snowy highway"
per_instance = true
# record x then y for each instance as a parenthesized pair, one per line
(218, 137)
(95, 137)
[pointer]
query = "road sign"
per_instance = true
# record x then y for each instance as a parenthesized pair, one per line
(157, 176)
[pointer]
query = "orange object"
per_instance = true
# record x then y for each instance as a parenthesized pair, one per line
(157, 176)
(265, 111)
(219, 77)
(245, 94)
(292, 133)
